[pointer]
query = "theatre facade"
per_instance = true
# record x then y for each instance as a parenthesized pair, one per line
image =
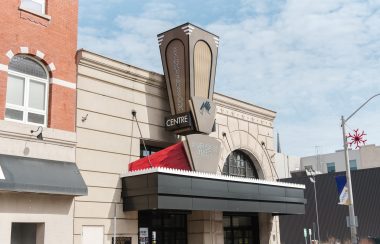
(167, 160)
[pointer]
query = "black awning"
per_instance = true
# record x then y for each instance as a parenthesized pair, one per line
(183, 190)
(22, 174)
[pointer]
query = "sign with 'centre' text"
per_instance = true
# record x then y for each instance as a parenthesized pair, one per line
(178, 121)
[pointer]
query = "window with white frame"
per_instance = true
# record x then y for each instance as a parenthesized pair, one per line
(36, 6)
(27, 91)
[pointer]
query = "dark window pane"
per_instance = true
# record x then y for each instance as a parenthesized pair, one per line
(169, 220)
(226, 221)
(239, 164)
(36, 118)
(148, 150)
(170, 228)
(14, 114)
(26, 65)
(25, 233)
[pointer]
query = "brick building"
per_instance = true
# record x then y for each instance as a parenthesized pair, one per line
(38, 174)
(50, 38)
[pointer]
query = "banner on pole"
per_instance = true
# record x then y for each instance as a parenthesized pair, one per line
(341, 184)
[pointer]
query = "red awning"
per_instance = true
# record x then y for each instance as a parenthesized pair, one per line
(173, 157)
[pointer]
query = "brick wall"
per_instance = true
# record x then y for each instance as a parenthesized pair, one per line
(56, 39)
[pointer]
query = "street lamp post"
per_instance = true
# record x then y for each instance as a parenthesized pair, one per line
(352, 220)
(313, 180)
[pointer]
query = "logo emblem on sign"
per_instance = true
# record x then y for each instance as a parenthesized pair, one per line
(205, 106)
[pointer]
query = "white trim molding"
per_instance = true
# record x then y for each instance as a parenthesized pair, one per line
(24, 49)
(209, 176)
(160, 39)
(4, 67)
(10, 54)
(40, 54)
(51, 67)
(63, 83)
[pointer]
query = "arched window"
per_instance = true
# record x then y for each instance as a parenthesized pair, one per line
(239, 164)
(27, 91)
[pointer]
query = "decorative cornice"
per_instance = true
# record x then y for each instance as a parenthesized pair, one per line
(20, 131)
(188, 29)
(51, 67)
(242, 110)
(209, 176)
(10, 54)
(40, 54)
(107, 65)
(160, 39)
(216, 39)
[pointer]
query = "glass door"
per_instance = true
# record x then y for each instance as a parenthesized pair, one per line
(241, 229)
(164, 227)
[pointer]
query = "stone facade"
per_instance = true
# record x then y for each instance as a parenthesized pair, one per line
(109, 139)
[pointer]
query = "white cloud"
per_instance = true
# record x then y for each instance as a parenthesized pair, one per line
(131, 38)
(311, 65)
(310, 61)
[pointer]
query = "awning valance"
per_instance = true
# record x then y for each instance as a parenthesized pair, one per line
(21, 174)
(170, 189)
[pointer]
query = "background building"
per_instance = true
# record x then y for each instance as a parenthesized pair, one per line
(365, 157)
(332, 217)
(285, 164)
(38, 176)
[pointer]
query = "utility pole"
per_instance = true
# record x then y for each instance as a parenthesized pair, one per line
(352, 218)
(314, 181)
(351, 209)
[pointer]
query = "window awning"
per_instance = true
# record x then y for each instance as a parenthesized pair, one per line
(21, 174)
(171, 189)
(173, 157)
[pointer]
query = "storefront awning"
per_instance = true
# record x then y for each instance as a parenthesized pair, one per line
(20, 174)
(173, 157)
(169, 189)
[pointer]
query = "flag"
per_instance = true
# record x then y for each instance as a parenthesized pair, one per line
(341, 184)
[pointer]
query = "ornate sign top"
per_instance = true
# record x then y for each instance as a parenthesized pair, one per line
(189, 56)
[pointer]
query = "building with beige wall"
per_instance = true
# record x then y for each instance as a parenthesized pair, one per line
(285, 164)
(108, 140)
(365, 157)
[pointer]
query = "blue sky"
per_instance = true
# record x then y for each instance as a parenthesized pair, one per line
(311, 61)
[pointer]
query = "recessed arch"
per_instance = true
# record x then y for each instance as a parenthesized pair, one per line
(238, 163)
(246, 142)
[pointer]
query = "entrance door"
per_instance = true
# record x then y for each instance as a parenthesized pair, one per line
(163, 227)
(241, 229)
